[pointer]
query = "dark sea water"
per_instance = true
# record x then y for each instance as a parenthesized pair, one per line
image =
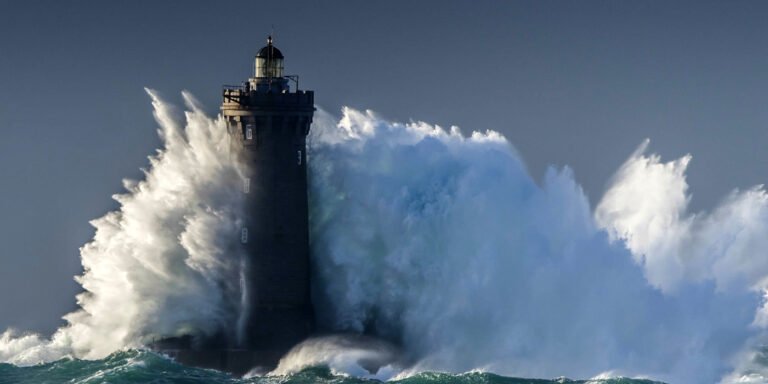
(148, 367)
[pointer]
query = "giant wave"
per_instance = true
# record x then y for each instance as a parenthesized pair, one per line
(444, 243)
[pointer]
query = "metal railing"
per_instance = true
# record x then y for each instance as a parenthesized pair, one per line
(228, 87)
(242, 88)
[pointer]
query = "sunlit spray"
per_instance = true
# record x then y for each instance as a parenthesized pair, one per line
(443, 243)
(166, 263)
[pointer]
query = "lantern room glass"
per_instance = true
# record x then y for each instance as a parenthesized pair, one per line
(269, 67)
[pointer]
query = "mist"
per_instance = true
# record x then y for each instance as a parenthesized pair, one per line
(443, 243)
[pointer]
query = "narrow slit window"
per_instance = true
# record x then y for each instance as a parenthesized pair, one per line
(299, 157)
(247, 185)
(249, 132)
(244, 235)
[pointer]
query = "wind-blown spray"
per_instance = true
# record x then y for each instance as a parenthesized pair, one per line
(445, 244)
(165, 262)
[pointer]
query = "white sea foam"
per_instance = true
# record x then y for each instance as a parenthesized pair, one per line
(345, 355)
(646, 207)
(443, 242)
(163, 263)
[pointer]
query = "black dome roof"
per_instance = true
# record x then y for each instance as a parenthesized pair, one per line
(270, 51)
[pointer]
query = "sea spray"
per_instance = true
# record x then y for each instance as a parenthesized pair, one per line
(441, 242)
(344, 354)
(164, 263)
(646, 207)
(445, 243)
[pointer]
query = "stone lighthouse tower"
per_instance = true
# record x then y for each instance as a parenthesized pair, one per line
(268, 119)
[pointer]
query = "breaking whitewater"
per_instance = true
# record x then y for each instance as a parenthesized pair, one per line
(438, 240)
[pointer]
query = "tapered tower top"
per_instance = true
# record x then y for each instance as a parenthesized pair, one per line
(263, 87)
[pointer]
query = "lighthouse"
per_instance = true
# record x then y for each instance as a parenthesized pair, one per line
(268, 118)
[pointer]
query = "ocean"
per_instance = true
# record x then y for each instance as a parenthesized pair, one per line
(136, 366)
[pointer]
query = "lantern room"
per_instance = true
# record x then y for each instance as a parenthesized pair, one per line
(269, 62)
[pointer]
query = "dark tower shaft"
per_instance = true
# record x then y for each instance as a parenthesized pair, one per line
(268, 124)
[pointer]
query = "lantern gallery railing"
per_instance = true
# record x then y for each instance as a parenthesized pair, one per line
(228, 88)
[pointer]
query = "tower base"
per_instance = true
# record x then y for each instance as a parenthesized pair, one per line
(185, 350)
(235, 361)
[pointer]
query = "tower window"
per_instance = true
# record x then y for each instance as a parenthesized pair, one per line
(247, 185)
(299, 157)
(244, 235)
(249, 132)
